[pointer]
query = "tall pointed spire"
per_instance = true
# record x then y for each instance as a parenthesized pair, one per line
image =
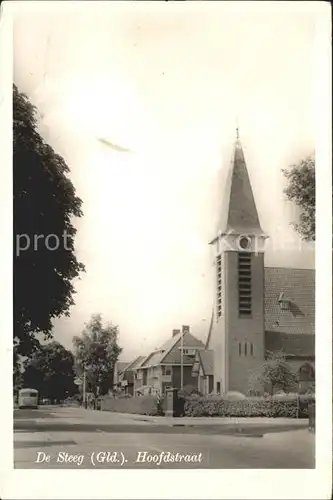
(238, 209)
(242, 210)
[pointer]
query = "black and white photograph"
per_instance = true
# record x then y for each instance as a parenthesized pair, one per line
(166, 245)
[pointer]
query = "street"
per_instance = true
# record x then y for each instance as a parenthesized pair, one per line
(65, 437)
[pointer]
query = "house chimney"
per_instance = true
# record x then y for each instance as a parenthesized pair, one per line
(186, 329)
(175, 332)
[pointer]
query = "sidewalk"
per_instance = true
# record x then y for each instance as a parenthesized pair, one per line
(188, 421)
(230, 424)
(224, 424)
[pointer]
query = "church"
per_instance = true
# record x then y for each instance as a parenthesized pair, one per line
(258, 310)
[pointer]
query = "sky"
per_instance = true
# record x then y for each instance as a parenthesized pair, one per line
(169, 84)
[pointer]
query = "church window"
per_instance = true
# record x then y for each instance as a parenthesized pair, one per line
(244, 284)
(306, 373)
(245, 349)
(239, 348)
(251, 347)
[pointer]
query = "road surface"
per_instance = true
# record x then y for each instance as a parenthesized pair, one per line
(56, 437)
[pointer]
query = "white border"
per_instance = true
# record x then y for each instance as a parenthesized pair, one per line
(191, 484)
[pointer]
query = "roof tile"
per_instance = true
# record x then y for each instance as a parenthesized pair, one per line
(294, 344)
(207, 361)
(298, 286)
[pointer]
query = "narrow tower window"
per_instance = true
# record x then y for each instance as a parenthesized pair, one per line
(245, 349)
(251, 349)
(239, 348)
(244, 284)
(219, 285)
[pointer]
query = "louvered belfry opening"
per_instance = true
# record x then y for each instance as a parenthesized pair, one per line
(219, 285)
(244, 284)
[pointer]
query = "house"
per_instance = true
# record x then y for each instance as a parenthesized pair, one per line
(166, 367)
(118, 373)
(124, 375)
(257, 309)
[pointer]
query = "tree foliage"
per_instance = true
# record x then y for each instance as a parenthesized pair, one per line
(17, 374)
(274, 374)
(51, 371)
(44, 204)
(301, 190)
(97, 351)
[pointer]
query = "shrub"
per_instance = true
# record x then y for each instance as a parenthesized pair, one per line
(233, 396)
(249, 407)
(273, 375)
(189, 390)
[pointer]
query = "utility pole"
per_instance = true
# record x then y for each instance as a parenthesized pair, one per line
(84, 388)
(185, 330)
(182, 360)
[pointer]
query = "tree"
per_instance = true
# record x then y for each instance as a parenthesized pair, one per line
(274, 374)
(96, 352)
(44, 205)
(17, 374)
(51, 371)
(301, 190)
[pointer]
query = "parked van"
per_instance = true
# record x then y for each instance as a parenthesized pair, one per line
(28, 398)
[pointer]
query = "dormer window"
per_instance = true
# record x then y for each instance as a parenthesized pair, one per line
(283, 302)
(188, 351)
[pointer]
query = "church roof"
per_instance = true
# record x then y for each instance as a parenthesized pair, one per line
(292, 328)
(291, 344)
(211, 325)
(238, 212)
(298, 289)
(207, 361)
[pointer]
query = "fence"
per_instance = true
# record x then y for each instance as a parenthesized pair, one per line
(142, 405)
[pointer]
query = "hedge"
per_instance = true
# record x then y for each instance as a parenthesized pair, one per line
(288, 407)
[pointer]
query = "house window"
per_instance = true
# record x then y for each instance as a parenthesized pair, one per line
(166, 370)
(189, 352)
(144, 377)
(244, 284)
(218, 387)
(219, 286)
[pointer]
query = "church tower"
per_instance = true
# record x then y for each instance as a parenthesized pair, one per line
(237, 333)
